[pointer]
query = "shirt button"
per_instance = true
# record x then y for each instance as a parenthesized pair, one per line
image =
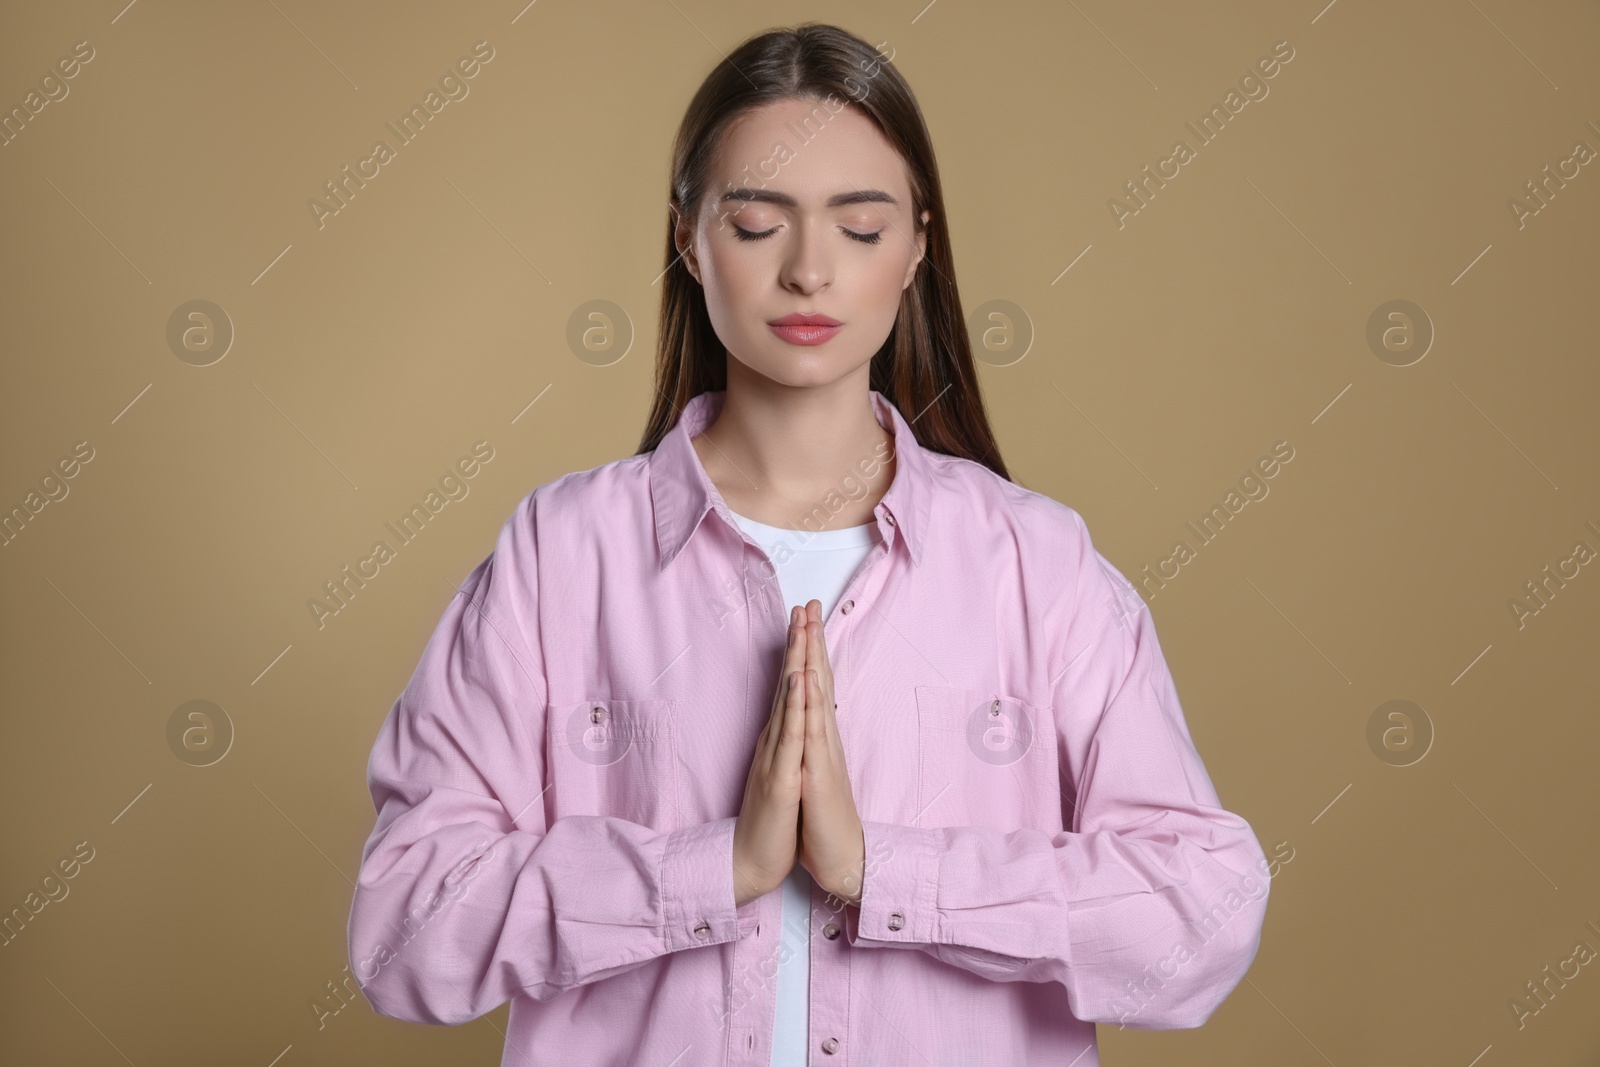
(896, 921)
(830, 931)
(889, 518)
(831, 1045)
(703, 931)
(597, 714)
(846, 606)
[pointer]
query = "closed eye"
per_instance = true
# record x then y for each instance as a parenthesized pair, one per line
(750, 235)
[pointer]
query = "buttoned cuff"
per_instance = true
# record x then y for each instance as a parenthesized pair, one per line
(697, 904)
(899, 893)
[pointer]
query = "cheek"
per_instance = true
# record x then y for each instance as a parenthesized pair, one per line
(881, 279)
(731, 281)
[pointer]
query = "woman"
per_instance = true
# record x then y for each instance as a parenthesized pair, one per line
(624, 793)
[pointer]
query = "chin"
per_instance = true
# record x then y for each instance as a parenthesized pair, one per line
(805, 368)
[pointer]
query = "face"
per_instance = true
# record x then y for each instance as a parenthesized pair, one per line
(789, 226)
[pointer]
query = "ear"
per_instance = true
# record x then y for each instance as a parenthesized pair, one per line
(922, 249)
(683, 240)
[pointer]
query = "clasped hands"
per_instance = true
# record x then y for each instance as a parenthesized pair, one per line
(798, 807)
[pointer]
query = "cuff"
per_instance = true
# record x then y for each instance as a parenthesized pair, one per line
(697, 907)
(899, 892)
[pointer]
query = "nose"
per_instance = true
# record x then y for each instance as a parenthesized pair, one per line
(807, 265)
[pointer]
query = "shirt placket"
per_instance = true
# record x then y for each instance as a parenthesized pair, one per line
(829, 1017)
(828, 1042)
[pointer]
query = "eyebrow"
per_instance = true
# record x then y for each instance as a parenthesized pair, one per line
(767, 196)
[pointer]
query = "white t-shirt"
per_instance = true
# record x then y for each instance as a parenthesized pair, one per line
(820, 567)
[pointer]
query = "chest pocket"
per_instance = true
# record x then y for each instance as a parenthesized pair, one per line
(986, 759)
(614, 757)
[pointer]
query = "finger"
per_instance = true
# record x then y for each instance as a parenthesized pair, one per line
(791, 740)
(794, 664)
(796, 623)
(794, 658)
(816, 721)
(817, 663)
(820, 663)
(814, 641)
(817, 658)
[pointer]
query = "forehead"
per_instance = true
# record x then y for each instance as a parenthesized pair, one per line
(810, 149)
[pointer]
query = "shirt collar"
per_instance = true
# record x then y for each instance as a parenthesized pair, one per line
(681, 492)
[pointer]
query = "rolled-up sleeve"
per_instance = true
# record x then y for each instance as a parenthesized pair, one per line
(466, 897)
(1148, 910)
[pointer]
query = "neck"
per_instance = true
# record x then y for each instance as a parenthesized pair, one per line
(777, 453)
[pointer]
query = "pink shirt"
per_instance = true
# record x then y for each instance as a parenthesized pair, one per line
(557, 785)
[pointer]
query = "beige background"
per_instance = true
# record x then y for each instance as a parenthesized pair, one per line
(368, 355)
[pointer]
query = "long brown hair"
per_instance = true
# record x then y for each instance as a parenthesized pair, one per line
(925, 365)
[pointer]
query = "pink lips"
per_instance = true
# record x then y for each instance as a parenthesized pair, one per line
(805, 328)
